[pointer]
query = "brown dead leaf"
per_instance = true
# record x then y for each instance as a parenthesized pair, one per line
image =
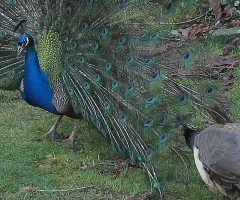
(195, 30)
(234, 23)
(116, 174)
(227, 48)
(222, 12)
(227, 61)
(65, 136)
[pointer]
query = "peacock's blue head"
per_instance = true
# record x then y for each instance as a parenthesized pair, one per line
(24, 40)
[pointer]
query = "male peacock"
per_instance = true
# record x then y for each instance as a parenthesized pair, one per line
(113, 63)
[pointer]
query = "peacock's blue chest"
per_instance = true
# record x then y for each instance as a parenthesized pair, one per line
(37, 90)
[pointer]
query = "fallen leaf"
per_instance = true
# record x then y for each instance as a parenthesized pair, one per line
(222, 12)
(196, 30)
(227, 48)
(26, 189)
(65, 136)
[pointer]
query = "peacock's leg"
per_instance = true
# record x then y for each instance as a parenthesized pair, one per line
(72, 138)
(53, 130)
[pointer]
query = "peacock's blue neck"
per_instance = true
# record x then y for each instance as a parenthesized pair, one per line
(37, 90)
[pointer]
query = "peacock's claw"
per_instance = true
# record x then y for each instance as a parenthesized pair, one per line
(72, 137)
(71, 140)
(53, 130)
(51, 133)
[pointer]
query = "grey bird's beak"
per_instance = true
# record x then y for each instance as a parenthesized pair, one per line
(19, 50)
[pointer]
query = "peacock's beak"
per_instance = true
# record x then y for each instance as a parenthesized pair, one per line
(19, 50)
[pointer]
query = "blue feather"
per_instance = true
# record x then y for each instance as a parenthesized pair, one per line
(37, 90)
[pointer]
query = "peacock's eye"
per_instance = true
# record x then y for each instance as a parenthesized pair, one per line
(26, 41)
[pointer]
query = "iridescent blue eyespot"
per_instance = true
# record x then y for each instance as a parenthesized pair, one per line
(74, 45)
(98, 124)
(210, 90)
(162, 119)
(74, 103)
(154, 76)
(163, 138)
(183, 99)
(95, 46)
(3, 33)
(57, 24)
(206, 44)
(147, 61)
(141, 35)
(148, 123)
(129, 60)
(66, 33)
(86, 85)
(121, 2)
(4, 81)
(68, 11)
(11, 74)
(89, 2)
(70, 61)
(85, 114)
(107, 105)
(123, 117)
(149, 154)
(105, 32)
(70, 91)
(97, 77)
(154, 36)
(115, 84)
(13, 1)
(151, 100)
(84, 26)
(169, 6)
(129, 88)
(48, 18)
(36, 24)
(187, 55)
(121, 41)
(81, 60)
(108, 66)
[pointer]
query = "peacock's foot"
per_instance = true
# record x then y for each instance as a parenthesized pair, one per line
(51, 133)
(72, 137)
(53, 130)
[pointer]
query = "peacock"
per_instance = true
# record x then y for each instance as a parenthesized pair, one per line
(117, 64)
(216, 154)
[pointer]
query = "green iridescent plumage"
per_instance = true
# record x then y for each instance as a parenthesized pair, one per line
(50, 53)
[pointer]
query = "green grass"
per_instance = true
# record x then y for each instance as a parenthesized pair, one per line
(51, 165)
